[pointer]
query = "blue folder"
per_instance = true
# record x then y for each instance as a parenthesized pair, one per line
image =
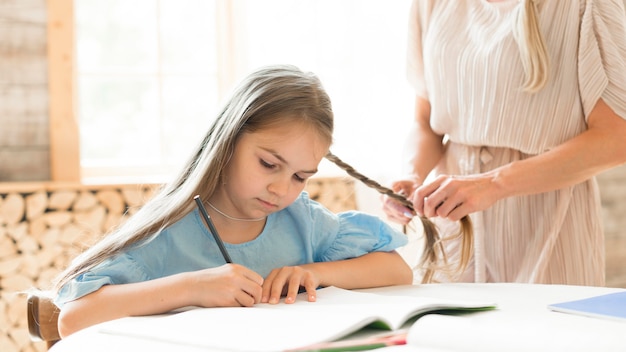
(611, 306)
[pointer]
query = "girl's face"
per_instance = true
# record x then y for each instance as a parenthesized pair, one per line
(269, 169)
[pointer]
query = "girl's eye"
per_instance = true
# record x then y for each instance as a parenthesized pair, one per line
(298, 178)
(266, 164)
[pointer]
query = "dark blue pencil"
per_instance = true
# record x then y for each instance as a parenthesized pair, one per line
(209, 223)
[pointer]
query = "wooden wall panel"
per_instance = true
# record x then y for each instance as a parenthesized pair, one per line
(64, 136)
(24, 132)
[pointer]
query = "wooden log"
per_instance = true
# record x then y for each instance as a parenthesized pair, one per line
(62, 199)
(16, 283)
(313, 188)
(36, 346)
(12, 209)
(36, 204)
(343, 190)
(112, 201)
(37, 227)
(47, 275)
(91, 220)
(7, 344)
(112, 222)
(85, 201)
(50, 237)
(73, 235)
(20, 335)
(30, 266)
(7, 246)
(133, 196)
(10, 264)
(61, 262)
(4, 319)
(15, 309)
(58, 218)
(27, 245)
(45, 257)
(47, 269)
(18, 231)
(149, 192)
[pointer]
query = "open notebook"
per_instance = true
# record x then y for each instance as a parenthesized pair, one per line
(264, 327)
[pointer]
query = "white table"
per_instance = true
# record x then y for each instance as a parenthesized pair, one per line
(521, 322)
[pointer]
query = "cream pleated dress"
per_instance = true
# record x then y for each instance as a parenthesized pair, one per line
(464, 59)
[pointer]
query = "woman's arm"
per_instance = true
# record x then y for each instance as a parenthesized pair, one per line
(600, 147)
(370, 270)
(424, 149)
(228, 285)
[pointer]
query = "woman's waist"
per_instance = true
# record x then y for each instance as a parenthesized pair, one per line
(471, 159)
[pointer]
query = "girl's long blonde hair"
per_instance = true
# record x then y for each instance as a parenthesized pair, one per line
(269, 96)
(532, 47)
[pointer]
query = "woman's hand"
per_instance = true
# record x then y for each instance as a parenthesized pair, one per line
(395, 210)
(286, 281)
(453, 197)
(230, 285)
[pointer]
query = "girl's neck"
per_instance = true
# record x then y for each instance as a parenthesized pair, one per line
(235, 230)
(234, 218)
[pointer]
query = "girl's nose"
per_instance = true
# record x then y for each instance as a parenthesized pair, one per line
(280, 186)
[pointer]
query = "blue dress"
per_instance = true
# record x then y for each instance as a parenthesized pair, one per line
(304, 232)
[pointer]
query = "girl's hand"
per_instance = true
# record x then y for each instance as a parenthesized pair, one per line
(286, 281)
(453, 197)
(230, 285)
(396, 211)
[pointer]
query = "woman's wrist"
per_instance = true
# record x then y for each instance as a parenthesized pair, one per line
(501, 181)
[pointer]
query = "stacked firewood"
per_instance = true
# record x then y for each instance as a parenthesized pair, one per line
(41, 230)
(337, 194)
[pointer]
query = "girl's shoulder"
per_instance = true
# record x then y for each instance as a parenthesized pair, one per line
(303, 213)
(304, 205)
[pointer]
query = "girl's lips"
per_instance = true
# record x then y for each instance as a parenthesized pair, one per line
(268, 205)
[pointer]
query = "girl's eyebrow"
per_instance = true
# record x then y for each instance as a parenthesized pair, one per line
(277, 156)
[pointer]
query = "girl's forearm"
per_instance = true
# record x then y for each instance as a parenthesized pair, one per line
(370, 270)
(118, 301)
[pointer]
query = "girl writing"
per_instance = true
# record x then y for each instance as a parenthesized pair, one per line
(250, 171)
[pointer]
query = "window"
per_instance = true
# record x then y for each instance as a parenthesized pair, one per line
(151, 75)
(147, 82)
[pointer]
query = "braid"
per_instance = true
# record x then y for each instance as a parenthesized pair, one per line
(368, 181)
(433, 252)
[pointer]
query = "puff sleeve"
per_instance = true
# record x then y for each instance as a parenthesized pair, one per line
(118, 270)
(415, 57)
(360, 233)
(602, 55)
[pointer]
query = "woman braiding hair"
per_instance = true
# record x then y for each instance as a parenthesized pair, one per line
(433, 257)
